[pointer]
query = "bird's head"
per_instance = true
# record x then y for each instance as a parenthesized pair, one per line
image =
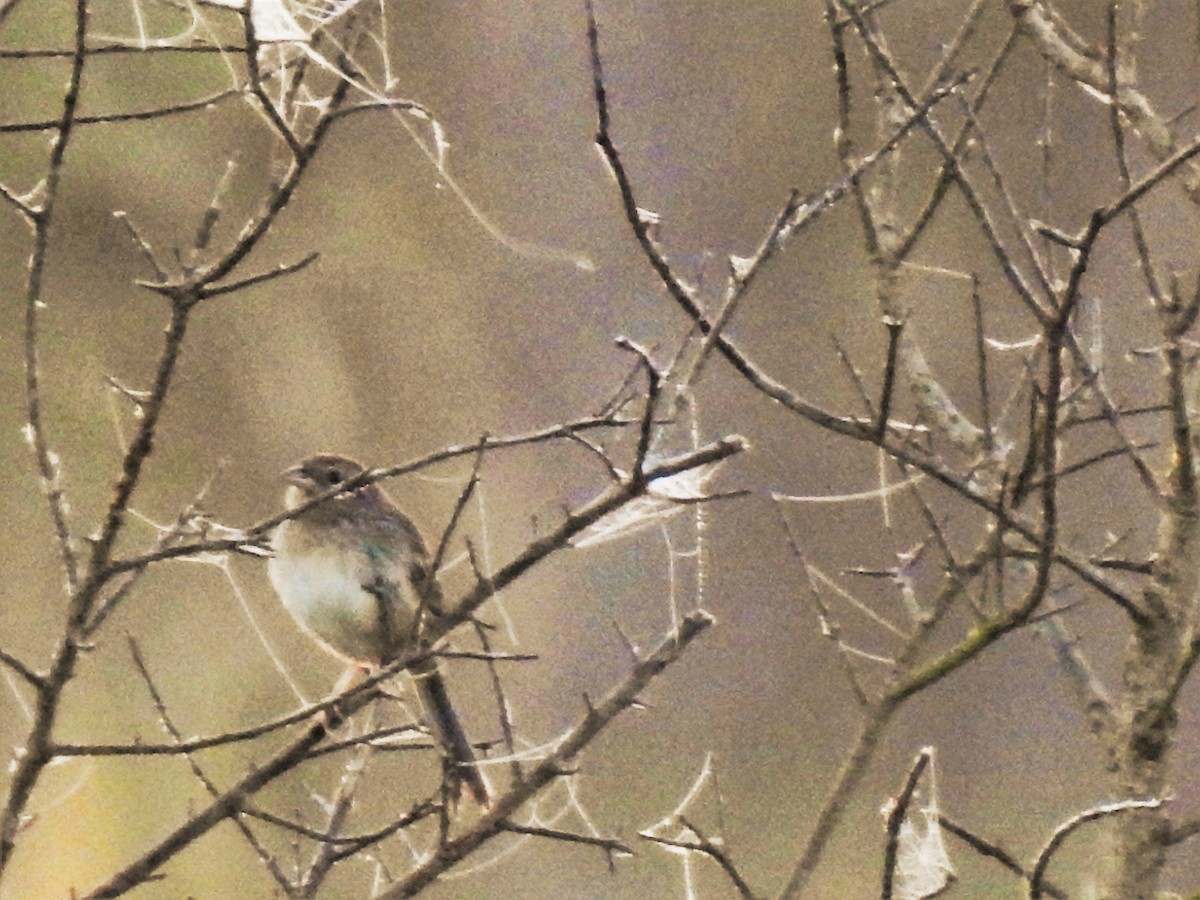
(318, 475)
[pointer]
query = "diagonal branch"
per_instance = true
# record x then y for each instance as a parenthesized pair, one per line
(259, 91)
(280, 270)
(264, 856)
(254, 534)
(36, 681)
(27, 770)
(896, 816)
(555, 764)
(1085, 65)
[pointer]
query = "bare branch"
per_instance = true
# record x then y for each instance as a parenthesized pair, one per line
(608, 845)
(653, 380)
(279, 271)
(147, 252)
(896, 817)
(34, 680)
(598, 716)
(503, 709)
(1085, 64)
(160, 706)
(1064, 830)
(230, 803)
(346, 844)
(145, 115)
(996, 852)
(394, 103)
(255, 533)
(254, 75)
(460, 504)
(30, 765)
(1092, 695)
(894, 328)
(711, 847)
(113, 47)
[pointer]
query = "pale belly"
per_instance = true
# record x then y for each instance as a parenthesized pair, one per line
(328, 602)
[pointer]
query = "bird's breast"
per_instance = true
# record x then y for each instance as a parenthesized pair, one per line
(322, 589)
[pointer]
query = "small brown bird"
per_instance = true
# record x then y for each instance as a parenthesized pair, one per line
(353, 572)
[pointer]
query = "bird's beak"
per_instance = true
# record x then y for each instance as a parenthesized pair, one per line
(295, 475)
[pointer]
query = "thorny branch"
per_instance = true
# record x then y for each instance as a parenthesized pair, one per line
(1052, 303)
(710, 847)
(554, 765)
(84, 584)
(994, 851)
(1059, 377)
(254, 534)
(34, 759)
(160, 706)
(858, 429)
(232, 801)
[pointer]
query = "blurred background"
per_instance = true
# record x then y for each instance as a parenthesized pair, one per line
(419, 328)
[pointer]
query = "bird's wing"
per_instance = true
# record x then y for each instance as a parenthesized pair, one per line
(396, 572)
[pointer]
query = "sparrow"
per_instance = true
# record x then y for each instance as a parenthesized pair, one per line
(354, 573)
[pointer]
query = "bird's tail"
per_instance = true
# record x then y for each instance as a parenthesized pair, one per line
(449, 731)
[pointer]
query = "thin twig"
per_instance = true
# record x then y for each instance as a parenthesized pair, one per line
(608, 845)
(712, 848)
(385, 103)
(981, 365)
(195, 744)
(894, 328)
(830, 627)
(1061, 833)
(113, 47)
(503, 709)
(159, 112)
(147, 251)
(896, 816)
(653, 382)
(995, 851)
(255, 532)
(230, 803)
(36, 681)
(337, 809)
(351, 842)
(254, 76)
(160, 706)
(556, 762)
(280, 270)
(1090, 691)
(1113, 71)
(382, 740)
(464, 497)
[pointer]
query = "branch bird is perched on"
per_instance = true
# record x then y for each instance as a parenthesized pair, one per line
(354, 572)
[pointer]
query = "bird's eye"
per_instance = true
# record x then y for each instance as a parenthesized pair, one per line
(333, 476)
